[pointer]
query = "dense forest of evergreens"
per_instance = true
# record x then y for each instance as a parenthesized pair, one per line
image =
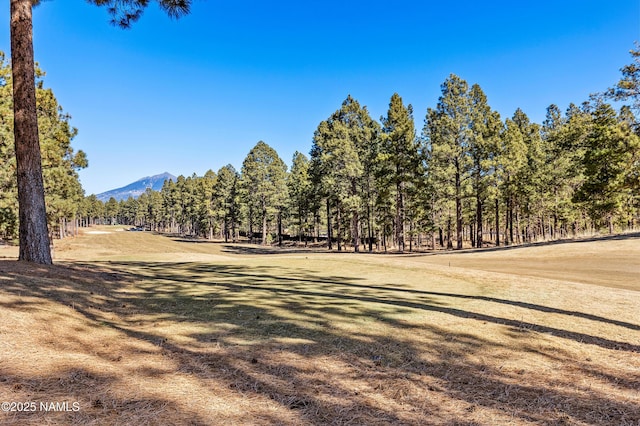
(469, 177)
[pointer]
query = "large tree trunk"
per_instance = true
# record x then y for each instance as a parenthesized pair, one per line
(34, 236)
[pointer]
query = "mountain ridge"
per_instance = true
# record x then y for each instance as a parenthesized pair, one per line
(137, 188)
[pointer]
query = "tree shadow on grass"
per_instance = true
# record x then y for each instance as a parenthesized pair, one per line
(237, 278)
(251, 249)
(615, 237)
(284, 338)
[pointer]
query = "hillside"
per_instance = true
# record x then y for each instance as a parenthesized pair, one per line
(137, 188)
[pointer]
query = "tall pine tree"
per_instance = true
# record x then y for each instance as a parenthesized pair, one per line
(264, 180)
(401, 158)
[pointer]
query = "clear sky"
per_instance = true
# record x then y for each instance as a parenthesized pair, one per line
(193, 94)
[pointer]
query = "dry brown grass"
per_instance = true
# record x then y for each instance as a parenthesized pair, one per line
(143, 329)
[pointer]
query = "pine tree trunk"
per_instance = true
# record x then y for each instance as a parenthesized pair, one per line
(472, 235)
(234, 234)
(370, 227)
(458, 208)
(226, 230)
(264, 224)
(356, 231)
(305, 230)
(400, 216)
(338, 227)
(279, 229)
(300, 221)
(433, 234)
(479, 229)
(329, 242)
(510, 220)
(384, 238)
(34, 236)
(250, 224)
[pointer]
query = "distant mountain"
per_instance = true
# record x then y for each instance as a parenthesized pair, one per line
(137, 188)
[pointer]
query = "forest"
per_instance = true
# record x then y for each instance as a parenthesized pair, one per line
(466, 178)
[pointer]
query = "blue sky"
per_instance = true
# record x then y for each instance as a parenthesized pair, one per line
(193, 94)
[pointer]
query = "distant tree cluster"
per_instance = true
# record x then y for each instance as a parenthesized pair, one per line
(60, 163)
(207, 206)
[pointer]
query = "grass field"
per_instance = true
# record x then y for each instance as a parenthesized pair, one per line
(137, 328)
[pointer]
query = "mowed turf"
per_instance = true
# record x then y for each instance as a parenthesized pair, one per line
(137, 328)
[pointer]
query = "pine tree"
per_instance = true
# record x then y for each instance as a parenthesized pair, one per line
(111, 210)
(611, 148)
(264, 181)
(92, 210)
(33, 232)
(448, 131)
(226, 201)
(483, 150)
(299, 184)
(562, 173)
(513, 159)
(628, 88)
(400, 154)
(530, 180)
(205, 207)
(368, 145)
(168, 193)
(341, 148)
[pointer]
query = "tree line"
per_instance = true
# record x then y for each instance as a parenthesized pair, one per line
(468, 178)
